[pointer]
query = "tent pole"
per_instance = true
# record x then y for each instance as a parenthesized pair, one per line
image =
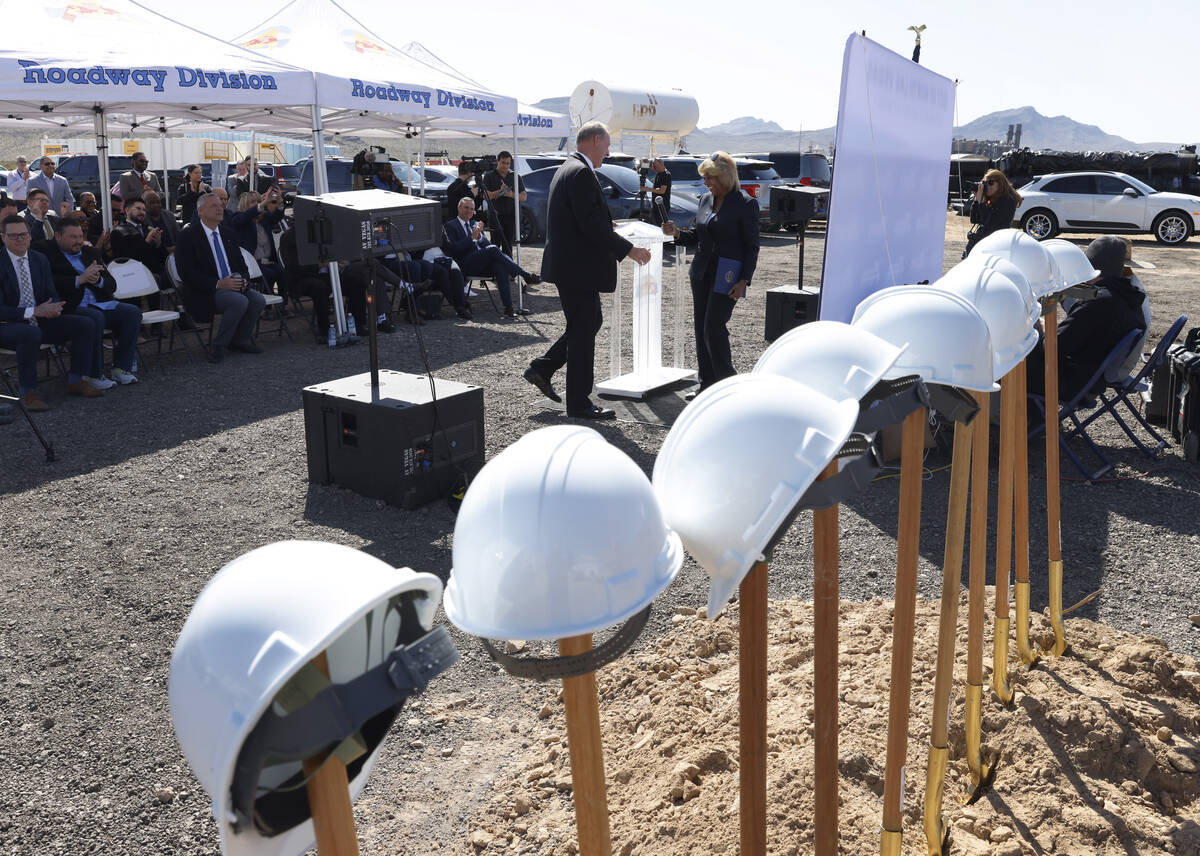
(321, 186)
(102, 164)
(517, 221)
(421, 161)
(162, 150)
(254, 161)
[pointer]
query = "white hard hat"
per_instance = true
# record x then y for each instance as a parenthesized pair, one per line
(1072, 263)
(558, 535)
(1027, 254)
(242, 699)
(948, 340)
(835, 359)
(736, 463)
(1009, 311)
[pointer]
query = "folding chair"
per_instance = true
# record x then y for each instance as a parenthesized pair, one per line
(259, 285)
(134, 280)
(1086, 400)
(1120, 391)
(174, 294)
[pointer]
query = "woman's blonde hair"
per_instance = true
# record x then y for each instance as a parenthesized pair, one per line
(720, 166)
(248, 200)
(1006, 189)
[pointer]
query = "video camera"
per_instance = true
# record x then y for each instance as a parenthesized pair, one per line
(369, 161)
(480, 165)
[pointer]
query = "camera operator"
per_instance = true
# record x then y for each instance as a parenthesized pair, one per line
(460, 188)
(661, 189)
(503, 188)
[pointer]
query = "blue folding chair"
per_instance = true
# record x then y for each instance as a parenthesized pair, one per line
(1120, 391)
(1086, 400)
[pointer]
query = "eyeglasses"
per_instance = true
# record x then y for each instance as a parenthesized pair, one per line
(16, 236)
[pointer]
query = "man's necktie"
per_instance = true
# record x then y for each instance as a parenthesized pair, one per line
(48, 229)
(25, 285)
(222, 264)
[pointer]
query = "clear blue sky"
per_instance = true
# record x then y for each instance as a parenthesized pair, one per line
(1128, 67)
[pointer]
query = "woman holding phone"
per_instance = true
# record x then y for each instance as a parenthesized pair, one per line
(726, 237)
(992, 209)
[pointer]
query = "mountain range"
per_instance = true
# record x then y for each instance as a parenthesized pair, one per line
(749, 133)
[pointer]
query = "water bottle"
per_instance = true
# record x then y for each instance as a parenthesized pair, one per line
(332, 337)
(350, 327)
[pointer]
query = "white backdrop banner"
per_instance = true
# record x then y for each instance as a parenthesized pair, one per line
(887, 206)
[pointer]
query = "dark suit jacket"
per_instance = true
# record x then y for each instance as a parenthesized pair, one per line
(198, 269)
(10, 289)
(731, 234)
(582, 250)
(458, 245)
(243, 225)
(36, 234)
(64, 274)
(129, 242)
(167, 222)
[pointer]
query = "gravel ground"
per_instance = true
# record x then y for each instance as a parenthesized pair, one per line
(158, 485)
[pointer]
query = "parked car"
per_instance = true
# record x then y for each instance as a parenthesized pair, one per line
(620, 187)
(340, 178)
(288, 176)
(806, 168)
(1105, 202)
(83, 172)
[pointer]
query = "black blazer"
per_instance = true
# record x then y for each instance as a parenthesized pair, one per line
(731, 233)
(198, 269)
(582, 250)
(458, 245)
(64, 274)
(128, 241)
(10, 289)
(37, 235)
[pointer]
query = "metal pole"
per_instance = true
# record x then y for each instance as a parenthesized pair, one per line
(254, 161)
(517, 223)
(162, 144)
(321, 185)
(102, 165)
(421, 161)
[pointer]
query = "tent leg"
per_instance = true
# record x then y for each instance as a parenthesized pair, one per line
(517, 227)
(102, 164)
(321, 185)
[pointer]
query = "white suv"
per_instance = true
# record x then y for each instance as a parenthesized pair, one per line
(1105, 202)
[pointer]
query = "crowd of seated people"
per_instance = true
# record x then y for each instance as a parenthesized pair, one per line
(56, 286)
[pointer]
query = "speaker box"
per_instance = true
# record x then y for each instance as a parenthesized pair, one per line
(395, 443)
(789, 306)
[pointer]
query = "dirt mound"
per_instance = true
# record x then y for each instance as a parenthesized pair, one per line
(1098, 755)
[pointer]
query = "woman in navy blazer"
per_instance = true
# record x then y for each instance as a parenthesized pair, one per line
(726, 236)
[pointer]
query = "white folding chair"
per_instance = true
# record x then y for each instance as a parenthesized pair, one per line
(260, 285)
(134, 280)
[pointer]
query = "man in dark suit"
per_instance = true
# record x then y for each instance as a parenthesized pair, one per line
(582, 251)
(158, 217)
(31, 314)
(39, 218)
(137, 239)
(464, 242)
(214, 280)
(88, 289)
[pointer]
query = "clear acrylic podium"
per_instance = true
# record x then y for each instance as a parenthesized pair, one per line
(648, 373)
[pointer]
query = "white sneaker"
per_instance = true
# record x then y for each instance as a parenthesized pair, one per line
(123, 377)
(100, 382)
(469, 293)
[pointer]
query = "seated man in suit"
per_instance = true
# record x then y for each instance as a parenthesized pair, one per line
(464, 242)
(158, 217)
(136, 239)
(31, 314)
(39, 218)
(87, 288)
(215, 280)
